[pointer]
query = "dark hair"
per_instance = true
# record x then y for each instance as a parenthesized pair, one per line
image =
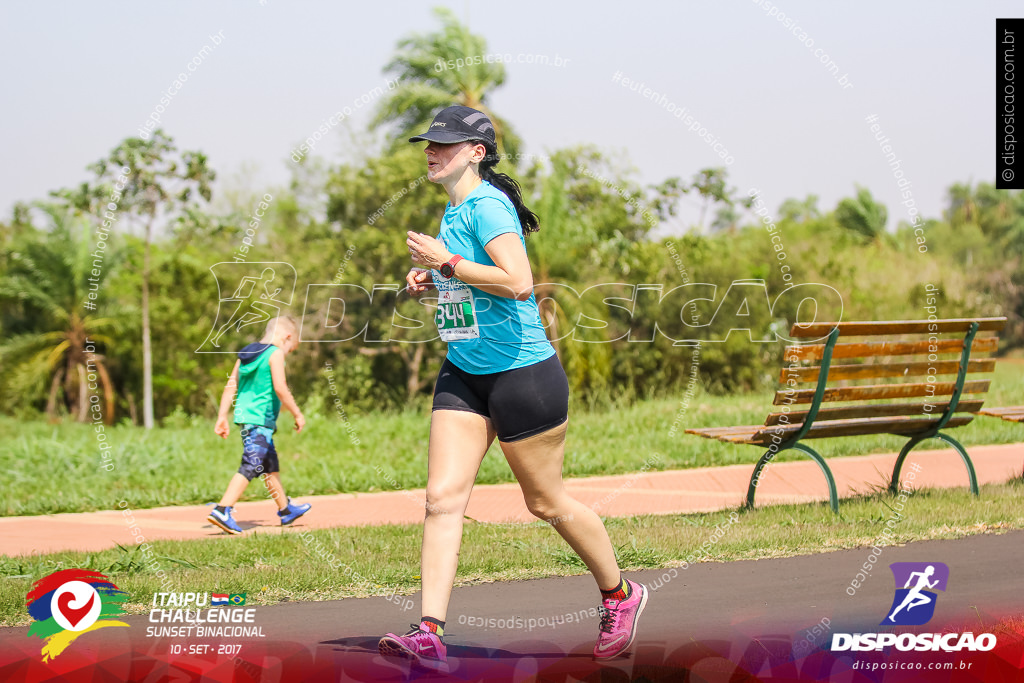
(509, 186)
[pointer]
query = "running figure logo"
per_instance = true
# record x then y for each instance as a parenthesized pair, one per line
(914, 603)
(256, 292)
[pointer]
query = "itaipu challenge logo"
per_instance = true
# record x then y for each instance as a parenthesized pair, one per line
(69, 603)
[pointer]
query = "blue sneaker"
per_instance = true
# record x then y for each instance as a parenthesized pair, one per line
(293, 512)
(224, 520)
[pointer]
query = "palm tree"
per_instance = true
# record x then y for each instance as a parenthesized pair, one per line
(48, 283)
(438, 69)
(863, 215)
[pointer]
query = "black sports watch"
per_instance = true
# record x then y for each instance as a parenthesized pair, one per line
(448, 269)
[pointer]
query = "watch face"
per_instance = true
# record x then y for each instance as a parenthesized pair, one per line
(447, 270)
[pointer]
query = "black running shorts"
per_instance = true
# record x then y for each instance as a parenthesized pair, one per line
(521, 403)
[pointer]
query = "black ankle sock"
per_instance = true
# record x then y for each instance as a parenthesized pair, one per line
(220, 508)
(435, 625)
(620, 592)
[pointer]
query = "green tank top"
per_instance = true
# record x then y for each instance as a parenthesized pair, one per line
(257, 402)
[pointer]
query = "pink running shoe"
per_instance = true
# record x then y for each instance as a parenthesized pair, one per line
(418, 646)
(618, 622)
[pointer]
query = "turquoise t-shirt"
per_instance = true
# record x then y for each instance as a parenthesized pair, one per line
(485, 332)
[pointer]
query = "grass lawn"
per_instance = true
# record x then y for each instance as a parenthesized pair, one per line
(56, 468)
(361, 561)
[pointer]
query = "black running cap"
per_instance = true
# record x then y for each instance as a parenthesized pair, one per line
(458, 124)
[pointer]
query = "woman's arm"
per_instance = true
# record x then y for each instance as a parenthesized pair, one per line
(510, 276)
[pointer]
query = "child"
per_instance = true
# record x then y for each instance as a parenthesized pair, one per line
(259, 377)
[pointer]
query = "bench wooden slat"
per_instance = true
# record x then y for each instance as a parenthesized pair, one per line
(879, 391)
(867, 371)
(894, 425)
(888, 348)
(880, 327)
(760, 435)
(1011, 413)
(874, 410)
(715, 432)
(740, 434)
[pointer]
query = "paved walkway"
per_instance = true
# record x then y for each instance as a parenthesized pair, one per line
(751, 620)
(677, 491)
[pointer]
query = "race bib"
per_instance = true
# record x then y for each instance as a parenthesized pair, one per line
(456, 313)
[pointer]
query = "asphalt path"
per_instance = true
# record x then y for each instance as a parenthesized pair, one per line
(769, 619)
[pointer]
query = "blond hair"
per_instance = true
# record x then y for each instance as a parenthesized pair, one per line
(281, 319)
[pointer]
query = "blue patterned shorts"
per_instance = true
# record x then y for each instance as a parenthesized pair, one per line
(258, 453)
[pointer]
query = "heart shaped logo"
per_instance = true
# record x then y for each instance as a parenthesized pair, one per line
(74, 615)
(76, 605)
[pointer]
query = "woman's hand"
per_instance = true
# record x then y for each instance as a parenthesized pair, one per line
(427, 251)
(419, 280)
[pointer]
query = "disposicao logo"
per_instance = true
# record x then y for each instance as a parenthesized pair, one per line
(914, 605)
(70, 603)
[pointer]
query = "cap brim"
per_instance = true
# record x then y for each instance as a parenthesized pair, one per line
(441, 136)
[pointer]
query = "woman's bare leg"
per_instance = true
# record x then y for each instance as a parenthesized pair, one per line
(537, 464)
(458, 442)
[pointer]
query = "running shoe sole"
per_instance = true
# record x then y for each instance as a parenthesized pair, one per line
(284, 523)
(216, 522)
(391, 647)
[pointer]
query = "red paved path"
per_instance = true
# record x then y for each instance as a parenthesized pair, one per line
(676, 491)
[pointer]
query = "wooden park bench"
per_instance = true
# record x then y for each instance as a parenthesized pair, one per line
(885, 382)
(1008, 413)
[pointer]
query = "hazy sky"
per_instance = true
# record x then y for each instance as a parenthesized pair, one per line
(81, 76)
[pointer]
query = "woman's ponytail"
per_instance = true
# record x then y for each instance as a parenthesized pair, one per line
(511, 188)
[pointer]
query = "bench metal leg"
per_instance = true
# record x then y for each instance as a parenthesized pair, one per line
(833, 496)
(971, 475)
(909, 446)
(755, 478)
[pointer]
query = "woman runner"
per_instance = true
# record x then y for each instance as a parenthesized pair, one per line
(501, 378)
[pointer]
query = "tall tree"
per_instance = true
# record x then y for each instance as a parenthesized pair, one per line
(160, 188)
(439, 69)
(726, 219)
(710, 185)
(592, 219)
(962, 207)
(560, 241)
(800, 211)
(372, 205)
